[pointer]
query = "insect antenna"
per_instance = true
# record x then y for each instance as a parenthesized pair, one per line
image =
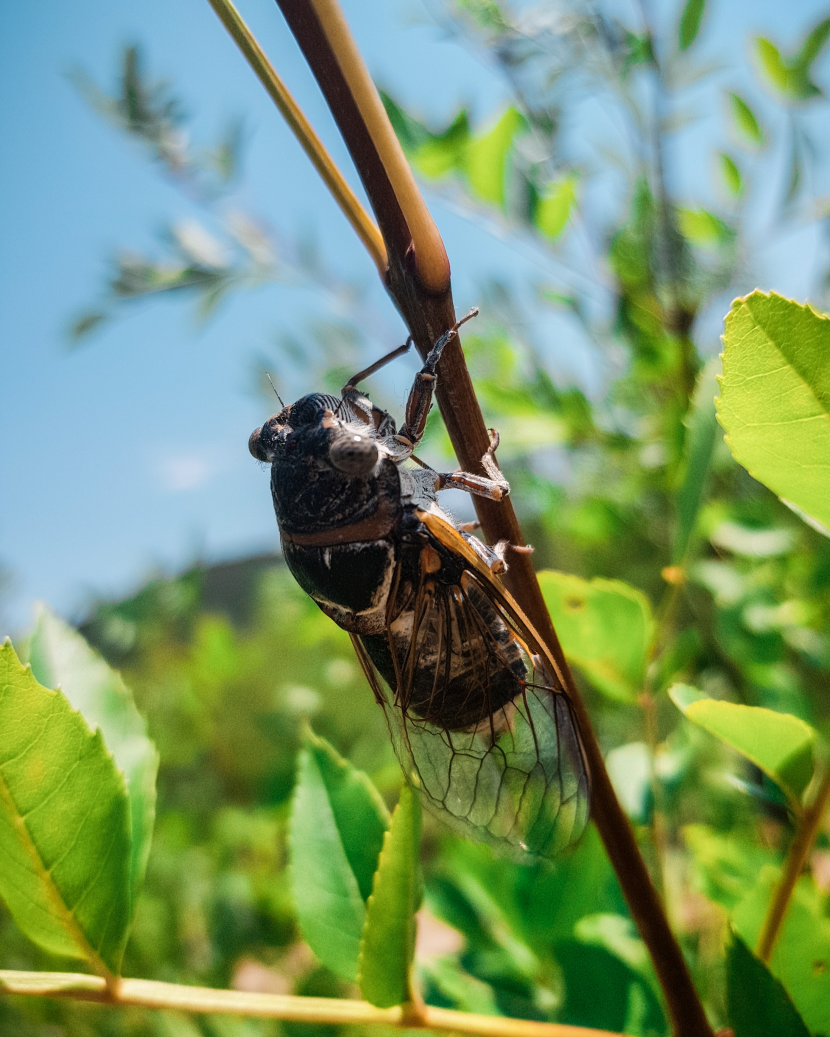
(271, 380)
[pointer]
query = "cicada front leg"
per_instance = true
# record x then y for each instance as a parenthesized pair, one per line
(361, 405)
(420, 396)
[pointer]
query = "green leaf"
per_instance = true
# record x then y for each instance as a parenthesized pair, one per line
(388, 944)
(745, 121)
(606, 629)
(731, 175)
(780, 744)
(725, 866)
(701, 434)
(60, 657)
(334, 807)
(639, 50)
(690, 21)
(758, 1004)
(64, 824)
(773, 65)
(801, 956)
(630, 769)
(443, 152)
(703, 228)
(554, 209)
(603, 991)
(485, 159)
(359, 812)
(775, 398)
(791, 76)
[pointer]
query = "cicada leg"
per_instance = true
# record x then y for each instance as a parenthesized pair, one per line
(362, 406)
(420, 395)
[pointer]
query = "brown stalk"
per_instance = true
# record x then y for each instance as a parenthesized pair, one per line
(417, 279)
(806, 831)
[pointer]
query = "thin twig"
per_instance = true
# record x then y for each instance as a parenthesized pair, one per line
(364, 226)
(805, 836)
(321, 1010)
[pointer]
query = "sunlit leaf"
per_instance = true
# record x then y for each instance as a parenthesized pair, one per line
(701, 435)
(388, 944)
(485, 159)
(629, 768)
(773, 65)
(791, 76)
(690, 21)
(745, 121)
(731, 175)
(779, 744)
(605, 627)
(64, 824)
(758, 1005)
(775, 398)
(703, 228)
(801, 955)
(442, 153)
(61, 658)
(554, 209)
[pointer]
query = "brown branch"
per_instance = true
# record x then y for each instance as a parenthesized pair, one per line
(145, 993)
(419, 286)
(805, 836)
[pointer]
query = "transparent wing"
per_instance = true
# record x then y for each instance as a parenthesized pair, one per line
(479, 723)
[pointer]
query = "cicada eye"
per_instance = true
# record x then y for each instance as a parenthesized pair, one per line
(256, 446)
(354, 455)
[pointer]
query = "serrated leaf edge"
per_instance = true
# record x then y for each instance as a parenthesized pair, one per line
(62, 912)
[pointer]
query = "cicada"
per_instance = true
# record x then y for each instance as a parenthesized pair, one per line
(476, 708)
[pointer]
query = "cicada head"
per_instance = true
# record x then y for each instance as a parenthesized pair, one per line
(321, 427)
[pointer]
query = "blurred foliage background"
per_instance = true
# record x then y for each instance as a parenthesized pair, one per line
(630, 481)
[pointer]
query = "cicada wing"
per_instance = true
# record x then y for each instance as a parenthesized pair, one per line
(479, 724)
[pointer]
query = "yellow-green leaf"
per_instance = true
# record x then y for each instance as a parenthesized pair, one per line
(731, 175)
(780, 744)
(775, 398)
(554, 209)
(388, 944)
(485, 158)
(745, 121)
(605, 627)
(801, 956)
(60, 657)
(64, 824)
(703, 228)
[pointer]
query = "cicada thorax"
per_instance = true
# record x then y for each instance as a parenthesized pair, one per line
(446, 653)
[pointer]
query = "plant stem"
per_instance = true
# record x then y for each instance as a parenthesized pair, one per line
(430, 256)
(429, 312)
(321, 1010)
(364, 226)
(800, 847)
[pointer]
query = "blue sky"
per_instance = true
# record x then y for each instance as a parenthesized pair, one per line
(128, 456)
